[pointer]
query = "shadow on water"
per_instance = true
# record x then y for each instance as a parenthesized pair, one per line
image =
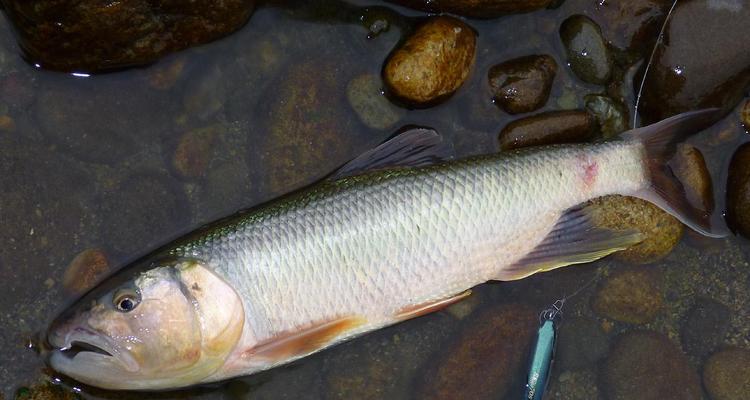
(125, 161)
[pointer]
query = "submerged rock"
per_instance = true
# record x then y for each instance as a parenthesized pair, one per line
(611, 115)
(550, 127)
(365, 95)
(486, 359)
(745, 115)
(588, 55)
(476, 8)
(194, 152)
(689, 166)
(633, 295)
(738, 191)
(704, 327)
(633, 24)
(646, 365)
(704, 62)
(523, 84)
(661, 231)
(582, 343)
(433, 63)
(726, 375)
(95, 35)
(85, 271)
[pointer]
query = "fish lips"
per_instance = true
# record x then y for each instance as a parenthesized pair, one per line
(81, 348)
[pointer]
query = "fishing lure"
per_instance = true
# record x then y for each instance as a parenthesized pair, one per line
(543, 353)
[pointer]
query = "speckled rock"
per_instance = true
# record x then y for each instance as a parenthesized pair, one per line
(705, 61)
(365, 95)
(85, 271)
(705, 326)
(141, 212)
(646, 365)
(432, 63)
(496, 342)
(738, 191)
(726, 375)
(581, 344)
(633, 295)
(194, 151)
(523, 84)
(611, 115)
(93, 35)
(476, 8)
(548, 128)
(662, 231)
(308, 127)
(588, 55)
(690, 168)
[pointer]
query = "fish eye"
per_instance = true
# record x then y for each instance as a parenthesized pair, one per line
(126, 300)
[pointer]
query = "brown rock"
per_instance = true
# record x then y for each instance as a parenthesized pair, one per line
(92, 35)
(433, 63)
(7, 123)
(738, 191)
(745, 115)
(164, 76)
(523, 84)
(486, 359)
(633, 295)
(661, 231)
(194, 152)
(646, 365)
(548, 128)
(689, 167)
(85, 271)
(726, 375)
(476, 8)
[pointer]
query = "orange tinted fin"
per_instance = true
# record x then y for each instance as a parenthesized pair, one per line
(306, 341)
(426, 308)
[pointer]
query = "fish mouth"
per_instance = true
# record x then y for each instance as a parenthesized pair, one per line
(82, 345)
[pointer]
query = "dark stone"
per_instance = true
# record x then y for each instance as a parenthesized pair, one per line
(581, 344)
(551, 127)
(704, 327)
(523, 84)
(704, 62)
(646, 365)
(586, 49)
(633, 24)
(92, 35)
(738, 191)
(476, 8)
(487, 358)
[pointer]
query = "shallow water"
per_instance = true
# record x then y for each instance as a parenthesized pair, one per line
(89, 164)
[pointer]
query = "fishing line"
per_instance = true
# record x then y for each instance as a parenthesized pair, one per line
(659, 40)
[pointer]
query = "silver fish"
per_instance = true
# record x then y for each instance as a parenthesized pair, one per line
(397, 233)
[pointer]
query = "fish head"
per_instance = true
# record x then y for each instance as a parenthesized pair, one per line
(169, 326)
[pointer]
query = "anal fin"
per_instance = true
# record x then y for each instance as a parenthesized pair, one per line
(309, 340)
(573, 240)
(429, 307)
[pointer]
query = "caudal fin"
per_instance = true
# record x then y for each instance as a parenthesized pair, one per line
(666, 190)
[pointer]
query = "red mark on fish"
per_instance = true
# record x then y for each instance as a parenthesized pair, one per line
(589, 170)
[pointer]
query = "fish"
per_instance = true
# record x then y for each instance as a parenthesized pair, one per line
(404, 230)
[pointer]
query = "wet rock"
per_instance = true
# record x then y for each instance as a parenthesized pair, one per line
(45, 391)
(99, 125)
(94, 36)
(690, 168)
(632, 25)
(85, 271)
(581, 344)
(738, 191)
(633, 295)
(365, 95)
(611, 115)
(648, 366)
(548, 128)
(704, 62)
(194, 151)
(726, 375)
(476, 8)
(745, 115)
(496, 342)
(141, 212)
(308, 129)
(433, 63)
(705, 327)
(573, 385)
(586, 49)
(661, 231)
(383, 365)
(523, 84)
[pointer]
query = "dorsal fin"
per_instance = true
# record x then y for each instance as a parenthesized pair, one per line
(416, 147)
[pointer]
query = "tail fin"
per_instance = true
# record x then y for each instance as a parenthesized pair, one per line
(666, 190)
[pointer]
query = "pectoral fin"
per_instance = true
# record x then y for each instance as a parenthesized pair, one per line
(306, 341)
(573, 240)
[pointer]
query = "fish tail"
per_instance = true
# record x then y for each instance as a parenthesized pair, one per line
(666, 190)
